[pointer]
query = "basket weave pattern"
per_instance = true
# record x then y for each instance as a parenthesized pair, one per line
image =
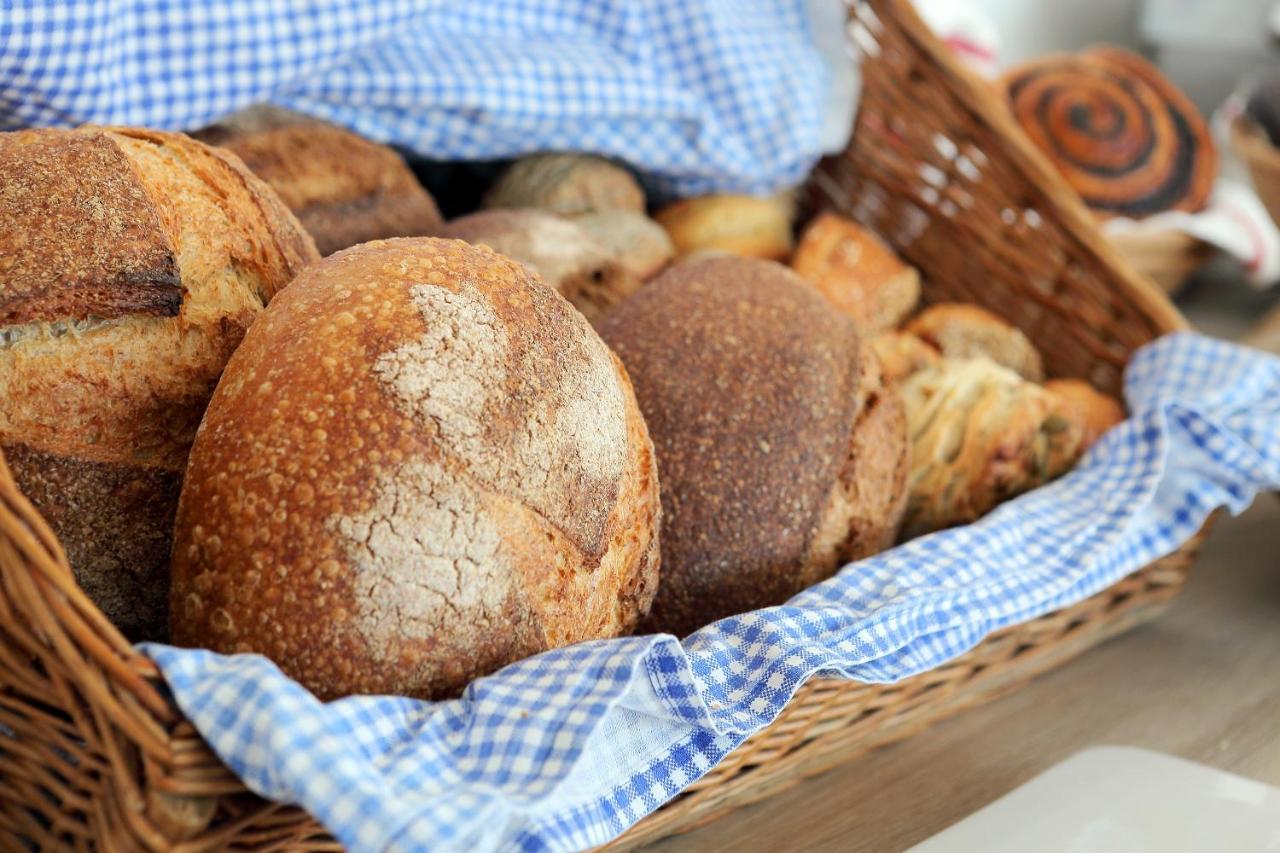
(93, 752)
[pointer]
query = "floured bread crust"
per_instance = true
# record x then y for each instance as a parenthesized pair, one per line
(136, 260)
(421, 464)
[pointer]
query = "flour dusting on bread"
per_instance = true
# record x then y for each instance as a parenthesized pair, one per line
(425, 559)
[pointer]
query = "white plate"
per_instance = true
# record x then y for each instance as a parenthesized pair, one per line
(1115, 799)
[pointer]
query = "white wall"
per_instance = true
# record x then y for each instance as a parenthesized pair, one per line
(1032, 27)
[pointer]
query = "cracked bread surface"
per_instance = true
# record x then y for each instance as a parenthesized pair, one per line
(422, 464)
(134, 261)
(753, 389)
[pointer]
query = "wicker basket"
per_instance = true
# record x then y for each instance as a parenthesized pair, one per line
(1167, 257)
(1252, 146)
(92, 750)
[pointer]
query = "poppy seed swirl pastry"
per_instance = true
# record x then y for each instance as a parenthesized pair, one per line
(1122, 135)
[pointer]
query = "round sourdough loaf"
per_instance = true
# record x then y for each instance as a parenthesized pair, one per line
(421, 464)
(780, 450)
(344, 188)
(133, 261)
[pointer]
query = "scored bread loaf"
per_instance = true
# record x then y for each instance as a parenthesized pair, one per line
(133, 263)
(422, 464)
(344, 188)
(561, 252)
(780, 452)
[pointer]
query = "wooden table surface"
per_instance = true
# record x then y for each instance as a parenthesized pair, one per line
(1202, 682)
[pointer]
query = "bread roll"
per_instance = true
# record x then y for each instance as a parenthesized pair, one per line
(421, 465)
(1096, 412)
(961, 330)
(133, 263)
(902, 354)
(640, 244)
(743, 225)
(980, 434)
(567, 184)
(857, 272)
(564, 255)
(780, 453)
(344, 188)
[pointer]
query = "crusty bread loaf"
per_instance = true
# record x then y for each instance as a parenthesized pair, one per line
(420, 465)
(640, 244)
(857, 272)
(744, 225)
(562, 253)
(344, 188)
(980, 434)
(133, 263)
(567, 184)
(963, 330)
(1096, 411)
(779, 451)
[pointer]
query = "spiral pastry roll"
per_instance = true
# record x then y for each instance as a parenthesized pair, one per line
(1123, 136)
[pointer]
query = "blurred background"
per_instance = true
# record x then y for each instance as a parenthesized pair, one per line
(1210, 49)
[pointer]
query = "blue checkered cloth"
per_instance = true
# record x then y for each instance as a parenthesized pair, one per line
(567, 749)
(699, 95)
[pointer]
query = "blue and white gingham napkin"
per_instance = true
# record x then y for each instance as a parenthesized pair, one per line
(699, 95)
(567, 749)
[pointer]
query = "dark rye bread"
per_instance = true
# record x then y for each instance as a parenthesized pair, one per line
(344, 188)
(133, 261)
(420, 465)
(780, 452)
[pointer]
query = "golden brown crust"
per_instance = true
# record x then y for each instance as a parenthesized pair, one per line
(567, 184)
(962, 330)
(558, 250)
(88, 246)
(640, 244)
(857, 272)
(743, 225)
(902, 354)
(980, 434)
(104, 410)
(445, 457)
(1097, 412)
(344, 188)
(750, 386)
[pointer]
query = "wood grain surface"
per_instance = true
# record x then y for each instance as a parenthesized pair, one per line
(1203, 682)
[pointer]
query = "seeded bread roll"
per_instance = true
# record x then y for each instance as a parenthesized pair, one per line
(962, 330)
(857, 272)
(567, 184)
(133, 263)
(562, 253)
(1097, 412)
(422, 464)
(980, 434)
(780, 452)
(344, 188)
